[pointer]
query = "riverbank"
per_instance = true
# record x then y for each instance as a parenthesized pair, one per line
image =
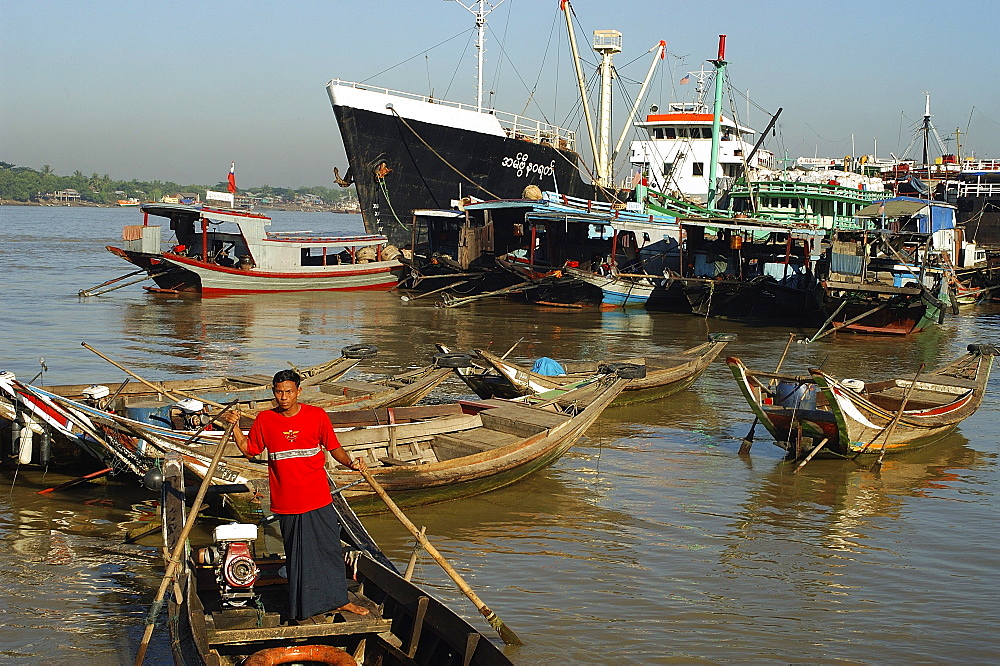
(89, 204)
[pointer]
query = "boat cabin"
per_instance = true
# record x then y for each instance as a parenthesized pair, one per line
(198, 234)
(676, 154)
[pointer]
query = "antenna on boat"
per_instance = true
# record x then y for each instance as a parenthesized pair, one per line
(480, 13)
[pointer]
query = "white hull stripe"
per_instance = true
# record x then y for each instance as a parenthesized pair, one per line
(293, 453)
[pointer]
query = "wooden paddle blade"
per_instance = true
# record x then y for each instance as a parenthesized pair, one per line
(748, 440)
(506, 635)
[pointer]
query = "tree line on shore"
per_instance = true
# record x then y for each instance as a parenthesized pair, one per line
(25, 184)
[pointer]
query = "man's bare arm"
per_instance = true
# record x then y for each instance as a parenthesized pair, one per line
(242, 441)
(344, 458)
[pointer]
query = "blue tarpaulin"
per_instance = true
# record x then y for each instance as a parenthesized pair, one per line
(548, 367)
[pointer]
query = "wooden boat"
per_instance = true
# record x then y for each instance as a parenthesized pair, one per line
(44, 413)
(490, 375)
(232, 387)
(219, 619)
(420, 455)
(250, 259)
(622, 289)
(854, 417)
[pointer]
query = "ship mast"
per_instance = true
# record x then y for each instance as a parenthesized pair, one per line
(606, 43)
(713, 164)
(480, 13)
(580, 81)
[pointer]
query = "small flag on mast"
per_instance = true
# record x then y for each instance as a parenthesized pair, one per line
(232, 178)
(686, 79)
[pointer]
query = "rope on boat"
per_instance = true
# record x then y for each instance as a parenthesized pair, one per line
(385, 193)
(439, 155)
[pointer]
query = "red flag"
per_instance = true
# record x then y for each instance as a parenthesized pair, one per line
(232, 178)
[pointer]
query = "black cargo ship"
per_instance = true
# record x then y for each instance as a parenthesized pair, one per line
(408, 152)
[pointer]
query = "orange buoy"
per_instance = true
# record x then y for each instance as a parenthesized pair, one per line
(321, 654)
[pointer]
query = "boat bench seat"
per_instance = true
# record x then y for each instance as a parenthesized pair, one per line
(448, 447)
(252, 380)
(957, 382)
(890, 398)
(520, 420)
(671, 361)
(351, 389)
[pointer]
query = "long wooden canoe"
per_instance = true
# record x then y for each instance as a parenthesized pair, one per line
(420, 456)
(664, 375)
(230, 385)
(45, 413)
(405, 625)
(855, 416)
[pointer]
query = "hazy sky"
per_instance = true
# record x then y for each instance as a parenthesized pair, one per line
(175, 91)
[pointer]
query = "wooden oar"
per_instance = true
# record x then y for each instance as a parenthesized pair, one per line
(811, 454)
(748, 440)
(175, 560)
(850, 321)
(895, 420)
(508, 636)
(159, 389)
(830, 319)
(891, 426)
(405, 298)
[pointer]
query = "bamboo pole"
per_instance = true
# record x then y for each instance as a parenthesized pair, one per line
(174, 562)
(508, 636)
(747, 443)
(159, 389)
(891, 426)
(851, 321)
(811, 454)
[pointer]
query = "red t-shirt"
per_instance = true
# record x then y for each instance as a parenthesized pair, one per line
(295, 460)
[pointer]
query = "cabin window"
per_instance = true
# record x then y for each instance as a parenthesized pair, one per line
(670, 132)
(698, 169)
(667, 168)
(658, 133)
(683, 132)
(706, 132)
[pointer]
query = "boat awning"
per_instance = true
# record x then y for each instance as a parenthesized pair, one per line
(931, 216)
(437, 212)
(892, 208)
(171, 210)
(719, 224)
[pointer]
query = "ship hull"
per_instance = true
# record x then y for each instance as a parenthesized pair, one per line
(401, 165)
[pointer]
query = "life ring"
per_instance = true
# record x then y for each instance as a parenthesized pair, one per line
(359, 351)
(453, 360)
(321, 654)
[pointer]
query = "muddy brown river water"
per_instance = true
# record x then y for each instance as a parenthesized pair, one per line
(650, 541)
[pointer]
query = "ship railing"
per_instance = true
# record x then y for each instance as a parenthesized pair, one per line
(981, 165)
(810, 219)
(978, 189)
(514, 125)
(799, 188)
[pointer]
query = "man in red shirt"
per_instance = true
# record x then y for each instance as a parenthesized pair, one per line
(294, 436)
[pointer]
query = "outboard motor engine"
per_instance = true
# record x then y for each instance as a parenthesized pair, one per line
(232, 557)
(94, 394)
(190, 414)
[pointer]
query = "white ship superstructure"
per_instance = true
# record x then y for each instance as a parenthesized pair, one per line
(677, 152)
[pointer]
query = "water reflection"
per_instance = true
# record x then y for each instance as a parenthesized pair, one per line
(64, 568)
(840, 502)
